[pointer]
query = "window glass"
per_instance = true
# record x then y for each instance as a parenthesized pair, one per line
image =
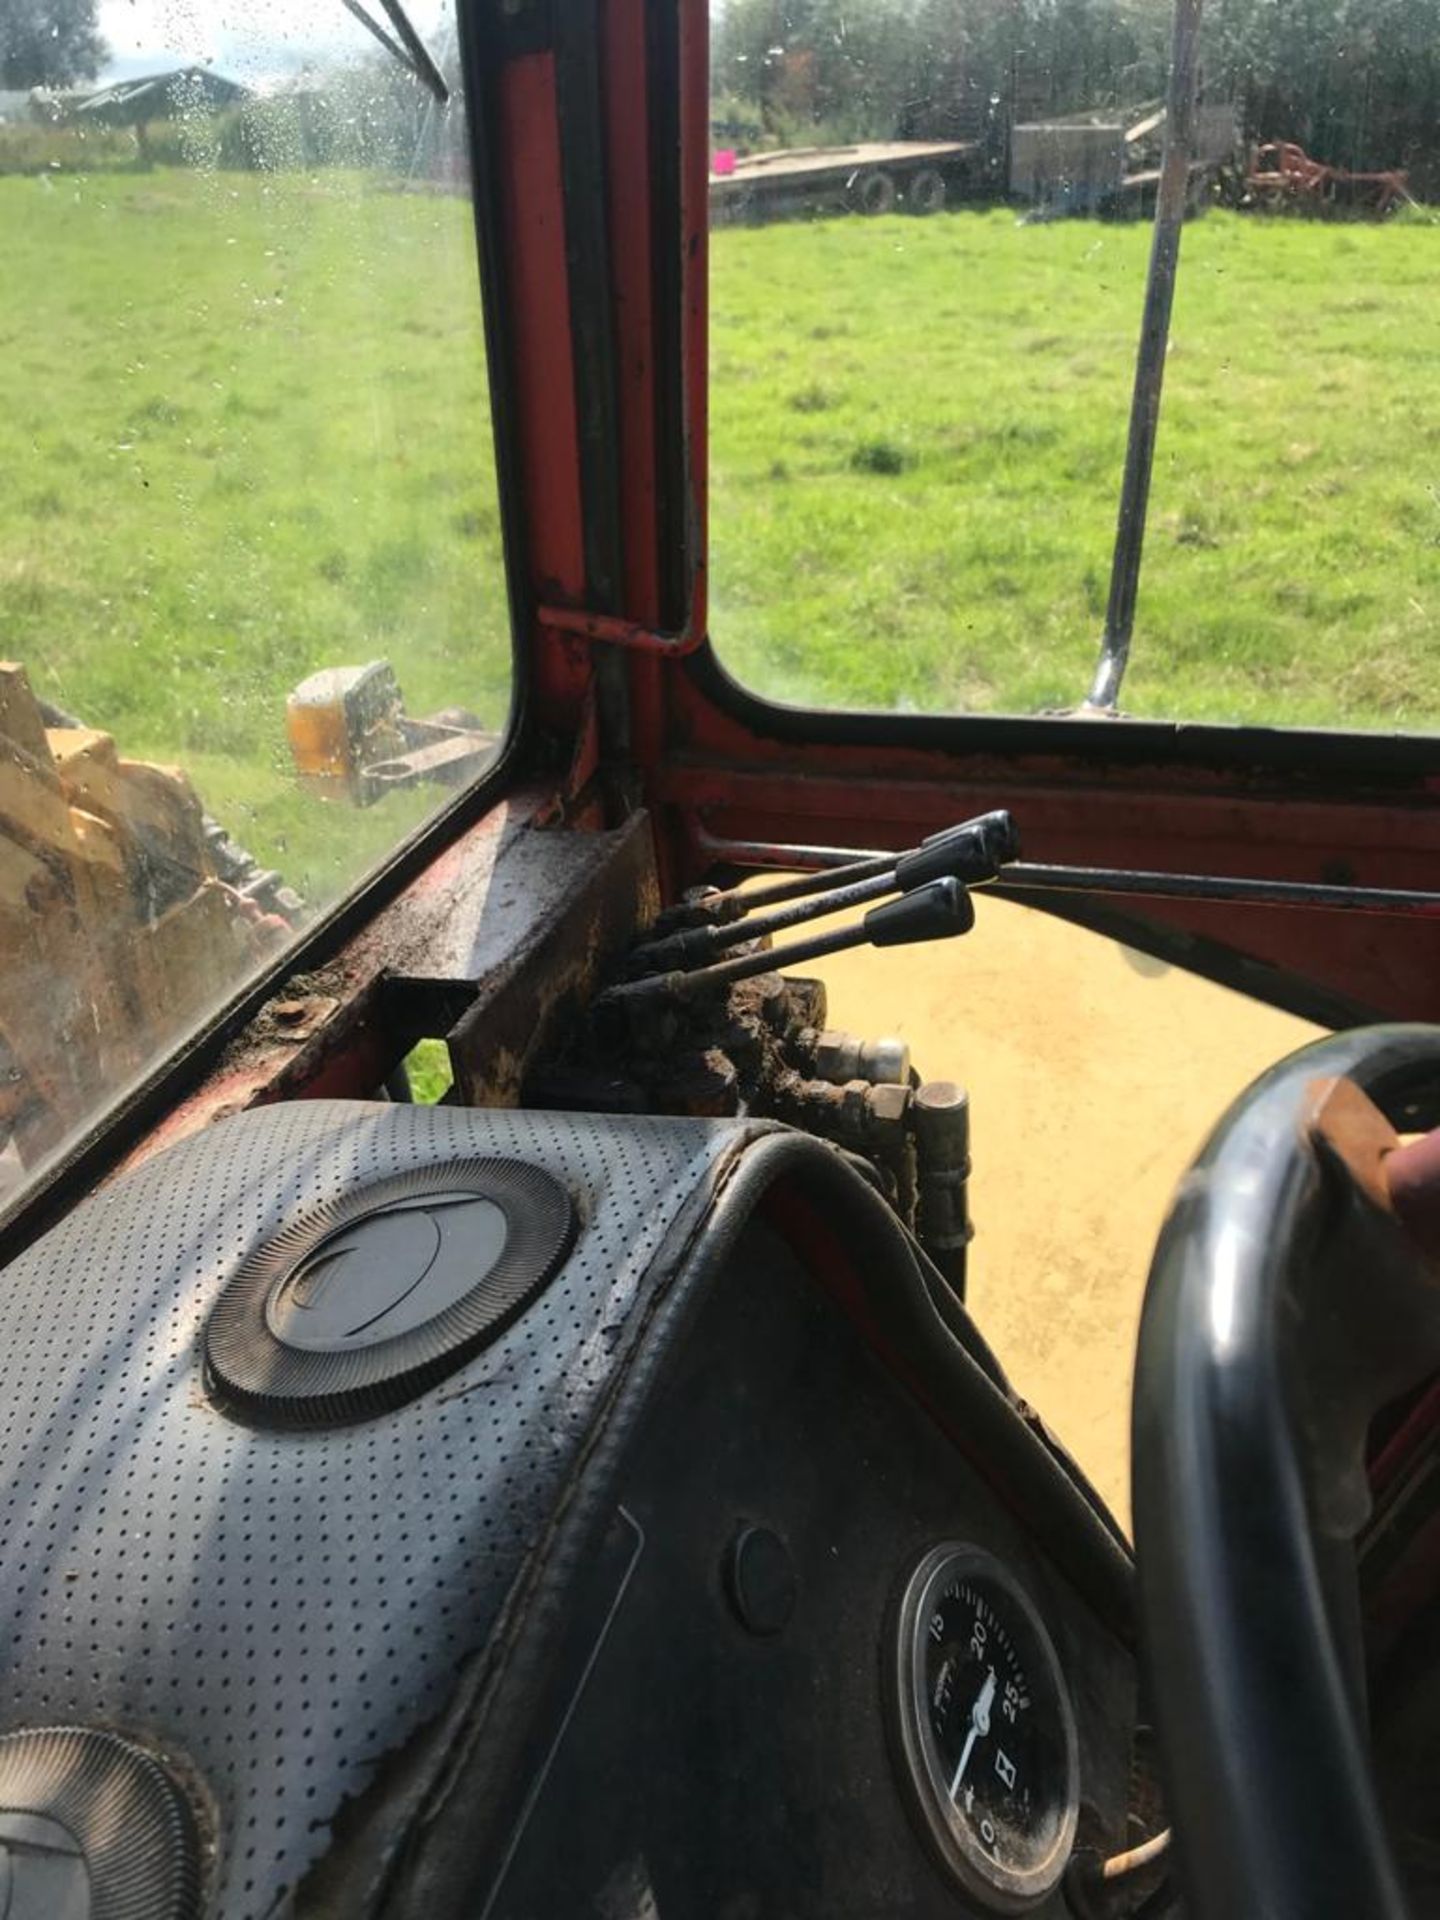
(930, 234)
(251, 588)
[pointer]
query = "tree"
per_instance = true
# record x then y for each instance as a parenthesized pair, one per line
(838, 65)
(1355, 81)
(48, 43)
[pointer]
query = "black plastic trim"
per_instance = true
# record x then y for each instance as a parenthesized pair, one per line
(1387, 761)
(584, 184)
(131, 1822)
(674, 529)
(479, 48)
(579, 110)
(256, 1374)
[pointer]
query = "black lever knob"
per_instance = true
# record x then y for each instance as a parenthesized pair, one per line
(935, 912)
(973, 852)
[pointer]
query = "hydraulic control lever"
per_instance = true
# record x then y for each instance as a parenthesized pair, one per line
(937, 909)
(971, 853)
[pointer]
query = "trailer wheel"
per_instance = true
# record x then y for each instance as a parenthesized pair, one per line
(873, 192)
(926, 191)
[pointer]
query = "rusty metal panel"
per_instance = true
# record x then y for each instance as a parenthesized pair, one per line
(496, 939)
(546, 973)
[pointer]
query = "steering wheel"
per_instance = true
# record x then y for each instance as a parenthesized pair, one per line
(1295, 1290)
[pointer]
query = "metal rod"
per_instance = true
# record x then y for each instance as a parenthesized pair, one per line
(1033, 878)
(698, 945)
(744, 967)
(938, 910)
(426, 71)
(984, 843)
(1150, 359)
(821, 862)
(392, 47)
(1204, 886)
(804, 884)
(413, 54)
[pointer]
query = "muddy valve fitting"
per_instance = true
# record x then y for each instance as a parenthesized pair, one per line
(940, 1115)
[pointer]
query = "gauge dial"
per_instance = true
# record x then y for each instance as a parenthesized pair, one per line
(986, 1732)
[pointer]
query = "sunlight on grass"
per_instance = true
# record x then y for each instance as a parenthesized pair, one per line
(247, 436)
(428, 1069)
(917, 430)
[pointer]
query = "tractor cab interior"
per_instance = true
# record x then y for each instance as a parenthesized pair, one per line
(490, 1418)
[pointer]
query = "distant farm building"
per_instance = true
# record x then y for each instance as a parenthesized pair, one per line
(156, 96)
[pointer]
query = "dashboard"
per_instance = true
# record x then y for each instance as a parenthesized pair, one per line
(794, 1546)
(431, 1511)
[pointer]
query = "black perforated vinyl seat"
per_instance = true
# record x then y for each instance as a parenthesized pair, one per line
(269, 1611)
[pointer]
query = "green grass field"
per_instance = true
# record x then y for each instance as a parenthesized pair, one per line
(246, 435)
(918, 430)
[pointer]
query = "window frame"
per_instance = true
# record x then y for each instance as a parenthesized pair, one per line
(98, 1140)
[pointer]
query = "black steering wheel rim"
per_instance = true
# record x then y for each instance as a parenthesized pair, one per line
(1245, 1575)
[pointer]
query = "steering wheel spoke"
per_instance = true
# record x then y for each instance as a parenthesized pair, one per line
(1295, 1290)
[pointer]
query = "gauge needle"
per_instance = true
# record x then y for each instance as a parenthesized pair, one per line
(979, 1724)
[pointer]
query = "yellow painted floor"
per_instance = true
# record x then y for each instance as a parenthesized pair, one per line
(1094, 1073)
